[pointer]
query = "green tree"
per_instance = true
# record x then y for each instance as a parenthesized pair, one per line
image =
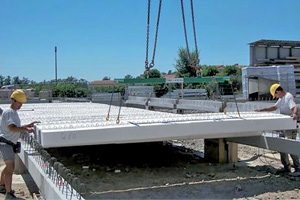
(128, 76)
(70, 79)
(25, 81)
(185, 62)
(209, 70)
(16, 80)
(80, 92)
(154, 73)
(230, 70)
(160, 89)
(235, 74)
(7, 80)
(2, 80)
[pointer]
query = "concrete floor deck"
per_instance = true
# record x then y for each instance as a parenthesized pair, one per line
(77, 124)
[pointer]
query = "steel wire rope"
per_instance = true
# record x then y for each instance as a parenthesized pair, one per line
(147, 65)
(274, 158)
(194, 31)
(184, 29)
(119, 112)
(156, 34)
(236, 104)
(147, 33)
(259, 155)
(194, 63)
(266, 161)
(111, 98)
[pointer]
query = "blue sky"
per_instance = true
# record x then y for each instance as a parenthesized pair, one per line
(98, 38)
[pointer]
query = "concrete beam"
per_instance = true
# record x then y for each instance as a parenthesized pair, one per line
(269, 142)
(48, 189)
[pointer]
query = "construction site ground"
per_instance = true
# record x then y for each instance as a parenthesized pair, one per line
(170, 170)
(23, 185)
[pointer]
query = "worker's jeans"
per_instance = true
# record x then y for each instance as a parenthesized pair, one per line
(289, 134)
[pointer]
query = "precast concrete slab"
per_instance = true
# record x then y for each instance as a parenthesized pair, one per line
(76, 124)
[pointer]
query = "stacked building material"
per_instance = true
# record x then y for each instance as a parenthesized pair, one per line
(259, 79)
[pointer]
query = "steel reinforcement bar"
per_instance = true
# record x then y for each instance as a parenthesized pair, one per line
(53, 179)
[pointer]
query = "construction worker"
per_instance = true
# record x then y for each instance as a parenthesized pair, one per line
(10, 130)
(286, 106)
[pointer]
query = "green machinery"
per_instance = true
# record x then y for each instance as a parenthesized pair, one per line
(217, 79)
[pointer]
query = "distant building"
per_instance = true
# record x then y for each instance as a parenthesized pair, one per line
(275, 52)
(5, 91)
(7, 87)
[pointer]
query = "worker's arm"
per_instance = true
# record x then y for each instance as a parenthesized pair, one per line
(31, 124)
(22, 129)
(269, 109)
(295, 113)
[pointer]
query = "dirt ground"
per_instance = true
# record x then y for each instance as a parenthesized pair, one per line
(176, 170)
(171, 170)
(23, 185)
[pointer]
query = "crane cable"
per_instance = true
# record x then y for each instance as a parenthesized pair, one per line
(196, 62)
(236, 104)
(111, 98)
(194, 31)
(147, 65)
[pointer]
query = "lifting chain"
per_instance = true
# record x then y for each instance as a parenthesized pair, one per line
(194, 63)
(184, 29)
(194, 31)
(147, 65)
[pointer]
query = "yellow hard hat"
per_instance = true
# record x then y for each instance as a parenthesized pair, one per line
(273, 89)
(19, 96)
